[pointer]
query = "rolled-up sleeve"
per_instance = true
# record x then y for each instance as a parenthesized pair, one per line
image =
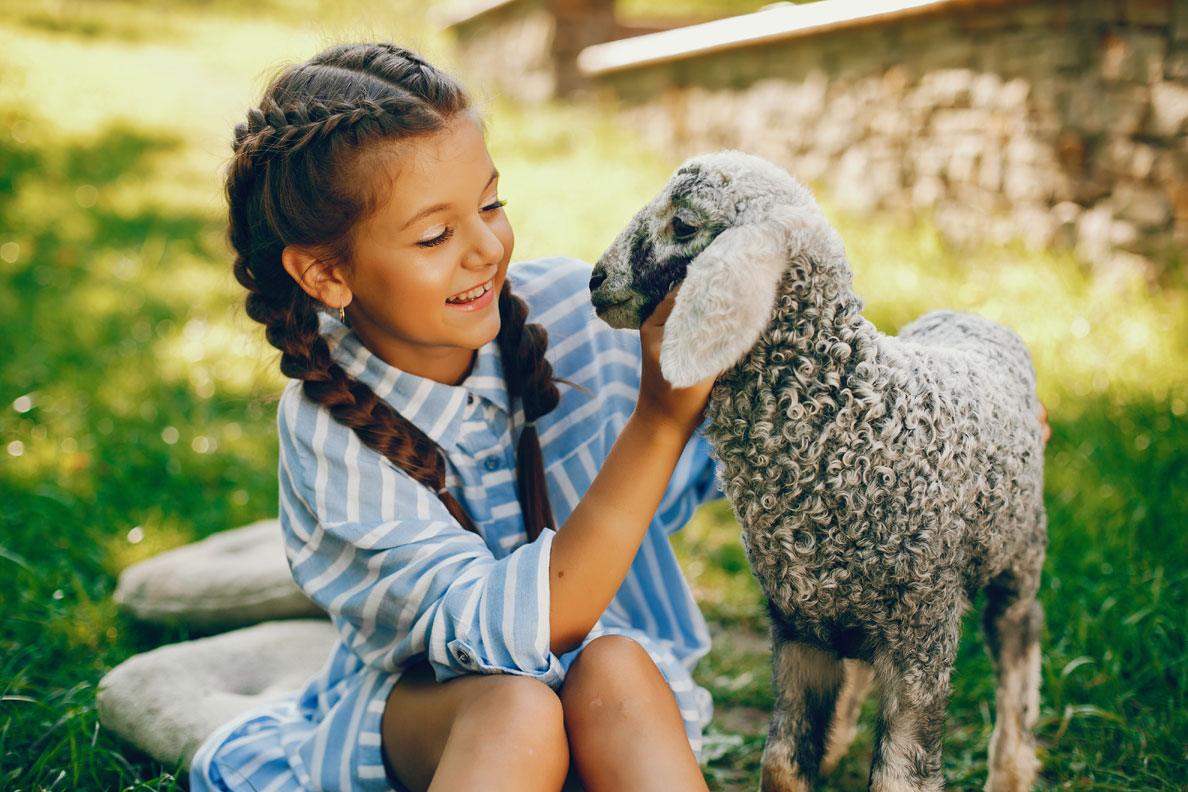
(402, 580)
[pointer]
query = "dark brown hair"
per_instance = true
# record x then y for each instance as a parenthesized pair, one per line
(297, 179)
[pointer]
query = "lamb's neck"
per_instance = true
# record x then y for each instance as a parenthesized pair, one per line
(816, 341)
(768, 414)
(817, 356)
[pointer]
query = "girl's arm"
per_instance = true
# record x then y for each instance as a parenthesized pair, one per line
(594, 548)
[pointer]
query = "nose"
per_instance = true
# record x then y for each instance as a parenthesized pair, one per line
(597, 279)
(486, 249)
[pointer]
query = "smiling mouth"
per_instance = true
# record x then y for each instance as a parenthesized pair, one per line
(470, 295)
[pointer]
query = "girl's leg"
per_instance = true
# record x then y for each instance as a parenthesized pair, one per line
(625, 731)
(475, 732)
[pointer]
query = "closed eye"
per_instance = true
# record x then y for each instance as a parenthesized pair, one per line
(682, 231)
(440, 239)
(448, 232)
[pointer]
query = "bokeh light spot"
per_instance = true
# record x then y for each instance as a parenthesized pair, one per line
(86, 196)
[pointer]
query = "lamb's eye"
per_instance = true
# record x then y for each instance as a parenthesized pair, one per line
(682, 231)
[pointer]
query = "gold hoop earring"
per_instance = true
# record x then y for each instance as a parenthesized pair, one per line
(342, 314)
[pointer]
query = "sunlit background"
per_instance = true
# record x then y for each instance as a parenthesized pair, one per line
(137, 401)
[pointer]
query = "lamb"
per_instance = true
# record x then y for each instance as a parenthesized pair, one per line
(880, 482)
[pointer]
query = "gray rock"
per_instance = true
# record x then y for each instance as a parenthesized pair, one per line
(1093, 233)
(1169, 109)
(230, 579)
(1147, 207)
(167, 701)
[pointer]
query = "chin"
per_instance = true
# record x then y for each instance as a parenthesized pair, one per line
(490, 330)
(623, 315)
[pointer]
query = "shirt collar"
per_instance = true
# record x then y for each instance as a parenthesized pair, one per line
(433, 407)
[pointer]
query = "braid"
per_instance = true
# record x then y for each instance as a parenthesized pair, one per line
(379, 427)
(530, 379)
(290, 183)
(273, 131)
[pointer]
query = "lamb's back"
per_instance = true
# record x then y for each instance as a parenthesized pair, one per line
(987, 345)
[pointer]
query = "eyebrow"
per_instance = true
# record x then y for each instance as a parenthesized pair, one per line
(428, 210)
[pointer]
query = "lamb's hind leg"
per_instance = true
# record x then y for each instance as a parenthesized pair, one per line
(1013, 620)
(807, 681)
(859, 677)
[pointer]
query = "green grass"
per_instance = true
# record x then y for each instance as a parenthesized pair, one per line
(135, 394)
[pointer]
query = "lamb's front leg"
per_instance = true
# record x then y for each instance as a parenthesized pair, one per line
(807, 681)
(911, 723)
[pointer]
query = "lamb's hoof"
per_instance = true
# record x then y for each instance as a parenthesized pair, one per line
(1014, 775)
(779, 773)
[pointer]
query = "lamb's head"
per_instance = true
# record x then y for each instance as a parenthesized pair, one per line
(725, 227)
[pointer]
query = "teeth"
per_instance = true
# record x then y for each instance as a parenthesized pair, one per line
(473, 294)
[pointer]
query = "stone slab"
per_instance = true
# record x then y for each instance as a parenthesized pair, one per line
(167, 701)
(230, 579)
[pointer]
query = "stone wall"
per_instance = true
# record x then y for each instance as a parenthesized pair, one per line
(508, 49)
(528, 49)
(1061, 122)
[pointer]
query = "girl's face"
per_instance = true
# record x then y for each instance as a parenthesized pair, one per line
(427, 266)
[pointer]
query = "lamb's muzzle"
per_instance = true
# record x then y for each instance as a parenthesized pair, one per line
(879, 481)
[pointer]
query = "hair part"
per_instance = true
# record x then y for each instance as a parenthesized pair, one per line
(297, 177)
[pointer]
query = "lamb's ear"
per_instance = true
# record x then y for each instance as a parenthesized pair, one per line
(726, 299)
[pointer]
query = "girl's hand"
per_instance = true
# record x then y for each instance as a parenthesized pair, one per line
(1045, 430)
(683, 408)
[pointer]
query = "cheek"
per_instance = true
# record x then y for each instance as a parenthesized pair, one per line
(411, 287)
(661, 276)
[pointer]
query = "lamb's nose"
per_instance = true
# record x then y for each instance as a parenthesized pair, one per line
(597, 279)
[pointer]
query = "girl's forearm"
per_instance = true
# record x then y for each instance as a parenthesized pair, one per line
(595, 547)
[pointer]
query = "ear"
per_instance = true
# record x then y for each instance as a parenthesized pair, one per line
(726, 299)
(318, 275)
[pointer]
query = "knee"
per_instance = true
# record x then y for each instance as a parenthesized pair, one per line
(511, 704)
(612, 676)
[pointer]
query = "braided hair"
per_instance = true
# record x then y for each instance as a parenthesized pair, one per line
(297, 178)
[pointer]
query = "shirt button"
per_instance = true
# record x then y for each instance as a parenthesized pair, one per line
(492, 463)
(470, 398)
(463, 657)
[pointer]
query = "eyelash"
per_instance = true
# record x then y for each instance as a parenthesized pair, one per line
(444, 236)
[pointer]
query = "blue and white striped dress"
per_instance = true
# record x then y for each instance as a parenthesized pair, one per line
(403, 581)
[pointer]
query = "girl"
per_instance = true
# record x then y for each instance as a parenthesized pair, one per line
(487, 527)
